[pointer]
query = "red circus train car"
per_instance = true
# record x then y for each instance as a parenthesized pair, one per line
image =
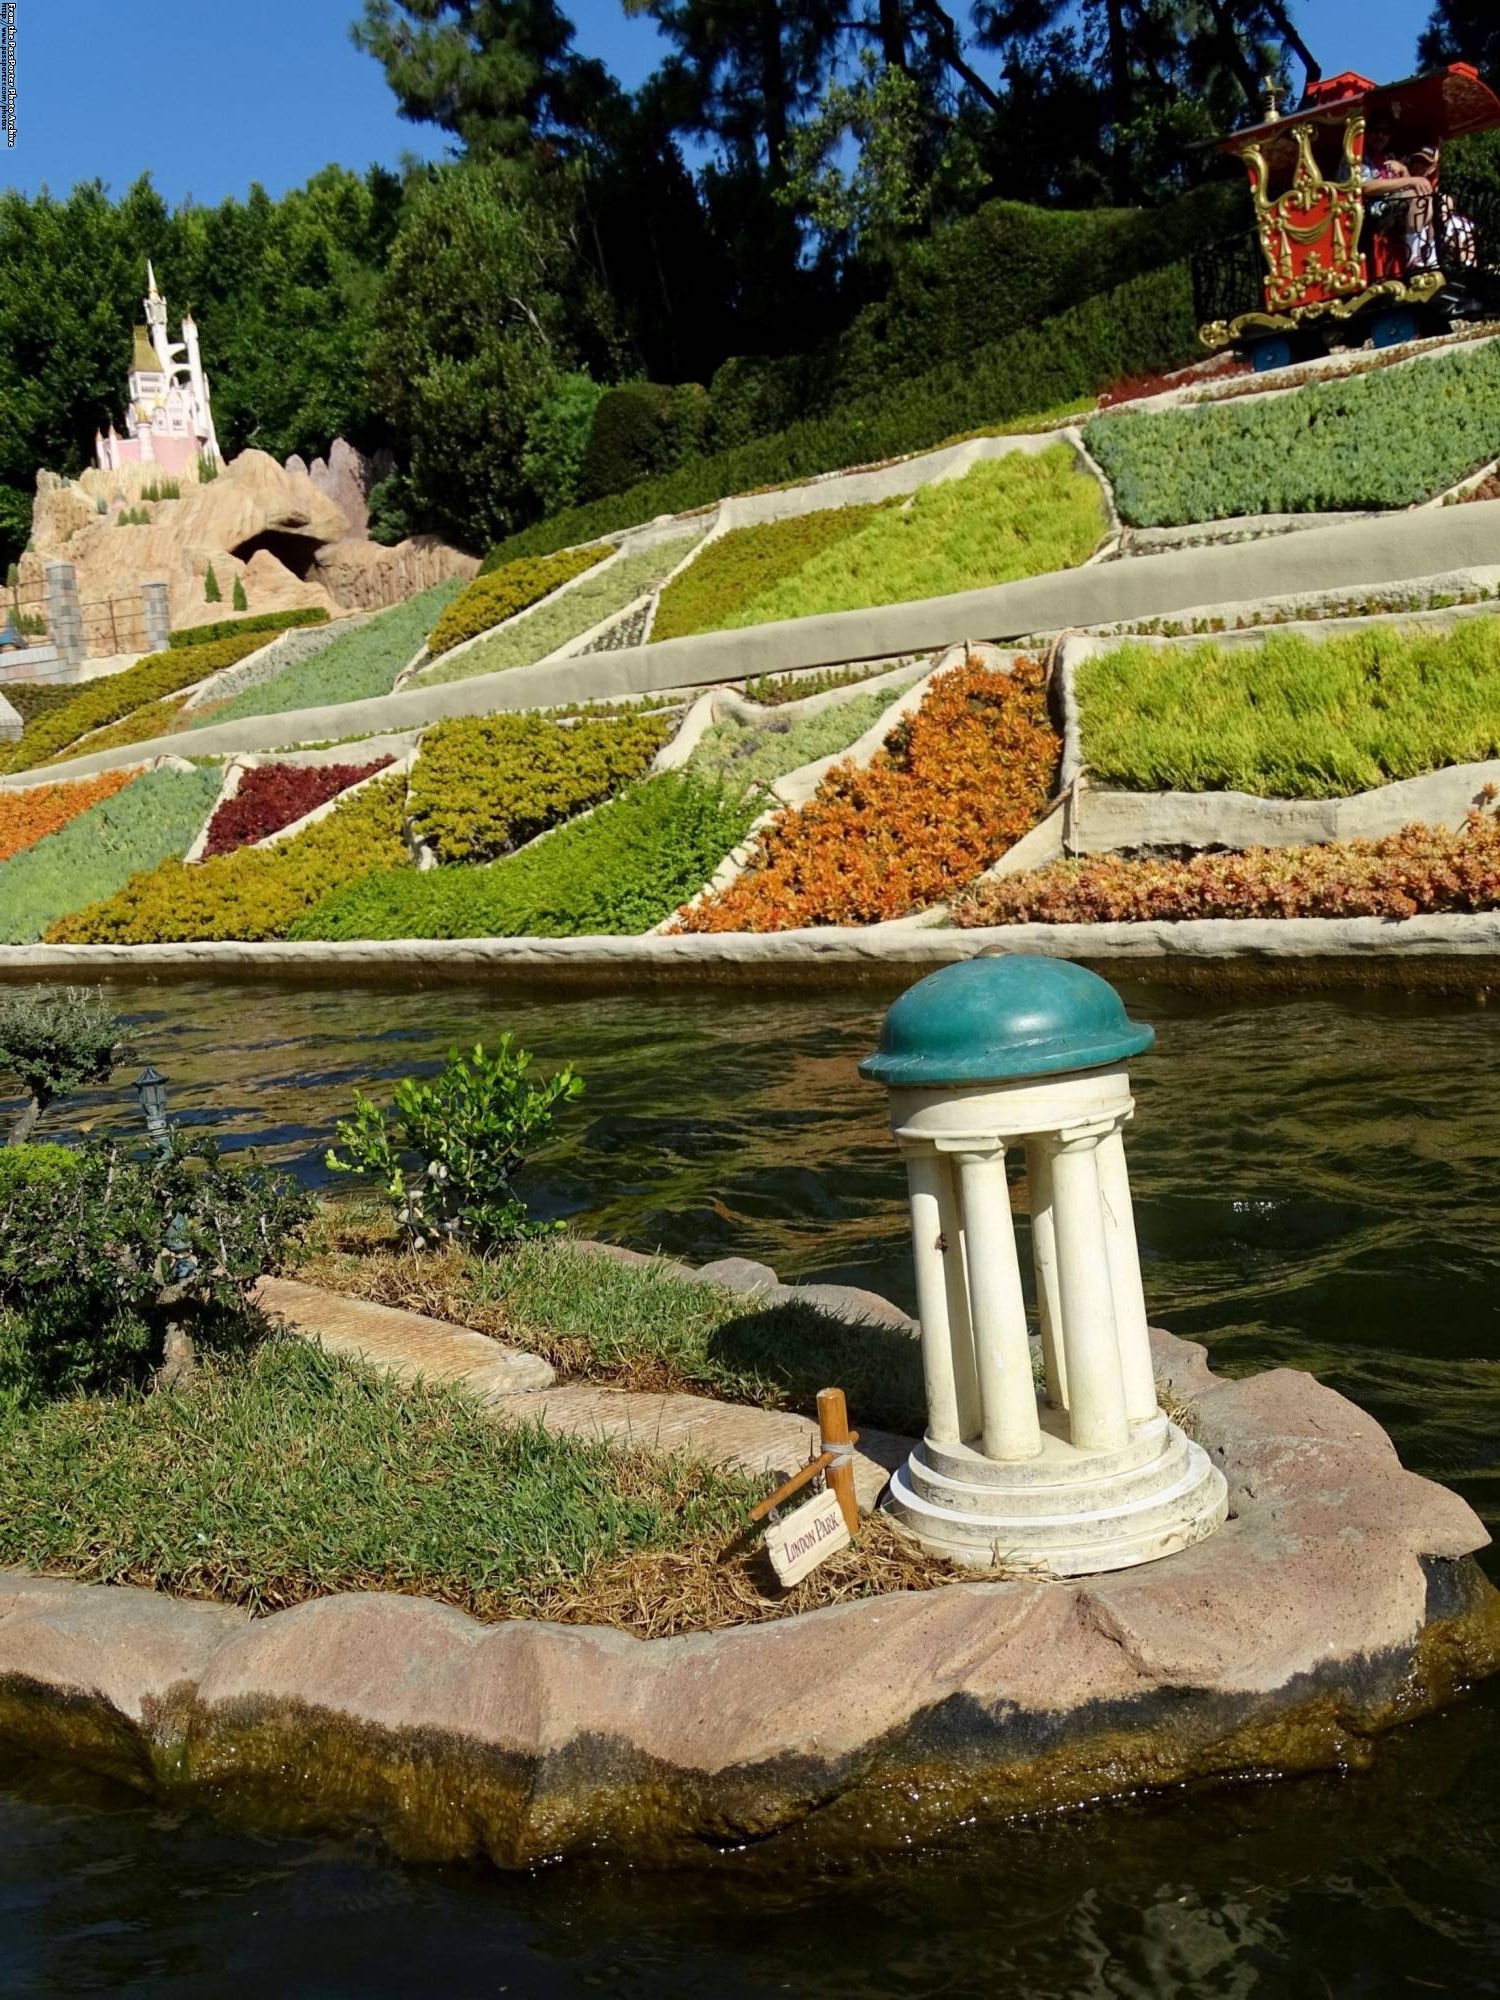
(1360, 232)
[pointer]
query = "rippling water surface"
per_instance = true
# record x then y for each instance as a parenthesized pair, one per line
(1317, 1183)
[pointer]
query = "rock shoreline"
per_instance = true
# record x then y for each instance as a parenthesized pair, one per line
(1339, 1600)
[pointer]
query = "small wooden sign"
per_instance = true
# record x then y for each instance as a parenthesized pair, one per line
(802, 1539)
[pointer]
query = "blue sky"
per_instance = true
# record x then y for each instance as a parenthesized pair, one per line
(211, 96)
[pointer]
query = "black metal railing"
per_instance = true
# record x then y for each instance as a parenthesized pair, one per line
(1229, 278)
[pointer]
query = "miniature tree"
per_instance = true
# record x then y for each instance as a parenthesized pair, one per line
(238, 598)
(52, 1043)
(211, 591)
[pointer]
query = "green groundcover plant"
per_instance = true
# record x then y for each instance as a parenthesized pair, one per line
(1384, 440)
(286, 1473)
(540, 632)
(94, 855)
(1007, 518)
(354, 667)
(1294, 717)
(738, 567)
(484, 784)
(757, 753)
(448, 1152)
(490, 600)
(616, 873)
(117, 696)
(259, 621)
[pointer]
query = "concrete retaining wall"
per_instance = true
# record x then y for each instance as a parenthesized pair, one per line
(1358, 944)
(1366, 555)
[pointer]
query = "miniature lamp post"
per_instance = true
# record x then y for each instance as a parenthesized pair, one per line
(151, 1092)
(1028, 1055)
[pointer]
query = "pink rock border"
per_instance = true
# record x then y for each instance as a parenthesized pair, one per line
(1340, 1599)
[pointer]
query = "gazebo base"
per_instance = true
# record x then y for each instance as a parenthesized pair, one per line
(1065, 1512)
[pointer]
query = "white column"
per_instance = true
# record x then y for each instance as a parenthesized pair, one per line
(925, 1174)
(1125, 1278)
(960, 1322)
(997, 1307)
(1096, 1389)
(1044, 1259)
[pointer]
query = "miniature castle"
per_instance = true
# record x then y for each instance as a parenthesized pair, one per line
(168, 418)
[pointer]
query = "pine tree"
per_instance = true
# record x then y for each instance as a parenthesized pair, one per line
(211, 591)
(239, 599)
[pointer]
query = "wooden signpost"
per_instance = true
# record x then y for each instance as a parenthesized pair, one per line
(799, 1541)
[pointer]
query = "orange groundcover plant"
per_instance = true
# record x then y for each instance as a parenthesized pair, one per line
(26, 817)
(955, 785)
(1420, 871)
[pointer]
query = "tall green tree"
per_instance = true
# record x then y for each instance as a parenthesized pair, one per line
(1463, 31)
(485, 305)
(502, 76)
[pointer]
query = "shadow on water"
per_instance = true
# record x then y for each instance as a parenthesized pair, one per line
(1316, 1181)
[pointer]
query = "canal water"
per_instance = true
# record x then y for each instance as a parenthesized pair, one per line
(1317, 1184)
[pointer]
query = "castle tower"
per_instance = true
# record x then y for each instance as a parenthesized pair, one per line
(168, 416)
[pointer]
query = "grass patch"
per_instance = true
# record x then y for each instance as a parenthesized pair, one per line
(354, 667)
(757, 753)
(1295, 717)
(640, 1326)
(533, 635)
(737, 568)
(1383, 440)
(1007, 518)
(616, 873)
(290, 1473)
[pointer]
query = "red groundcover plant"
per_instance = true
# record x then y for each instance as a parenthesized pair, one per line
(275, 795)
(1420, 871)
(954, 786)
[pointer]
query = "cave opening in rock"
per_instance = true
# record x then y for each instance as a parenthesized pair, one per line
(294, 552)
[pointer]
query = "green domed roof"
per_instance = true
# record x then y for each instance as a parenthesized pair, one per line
(994, 1020)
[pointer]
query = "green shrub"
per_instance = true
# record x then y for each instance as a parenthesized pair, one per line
(1387, 439)
(102, 702)
(211, 591)
(483, 784)
(639, 429)
(1146, 324)
(757, 753)
(254, 893)
(96, 1261)
(32, 700)
(262, 621)
(23, 1165)
(1295, 717)
(53, 1042)
(353, 667)
(735, 568)
(490, 600)
(239, 599)
(557, 436)
(448, 1152)
(587, 604)
(617, 873)
(92, 856)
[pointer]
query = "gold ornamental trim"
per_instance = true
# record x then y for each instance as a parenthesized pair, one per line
(1221, 333)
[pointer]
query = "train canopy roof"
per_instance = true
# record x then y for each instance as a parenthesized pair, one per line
(1440, 104)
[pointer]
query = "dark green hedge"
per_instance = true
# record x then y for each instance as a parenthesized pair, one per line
(259, 621)
(640, 429)
(1145, 325)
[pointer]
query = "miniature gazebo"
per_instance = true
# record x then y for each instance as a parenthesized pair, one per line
(1027, 1055)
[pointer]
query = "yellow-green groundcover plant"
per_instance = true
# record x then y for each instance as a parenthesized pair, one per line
(1293, 717)
(1021, 515)
(490, 600)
